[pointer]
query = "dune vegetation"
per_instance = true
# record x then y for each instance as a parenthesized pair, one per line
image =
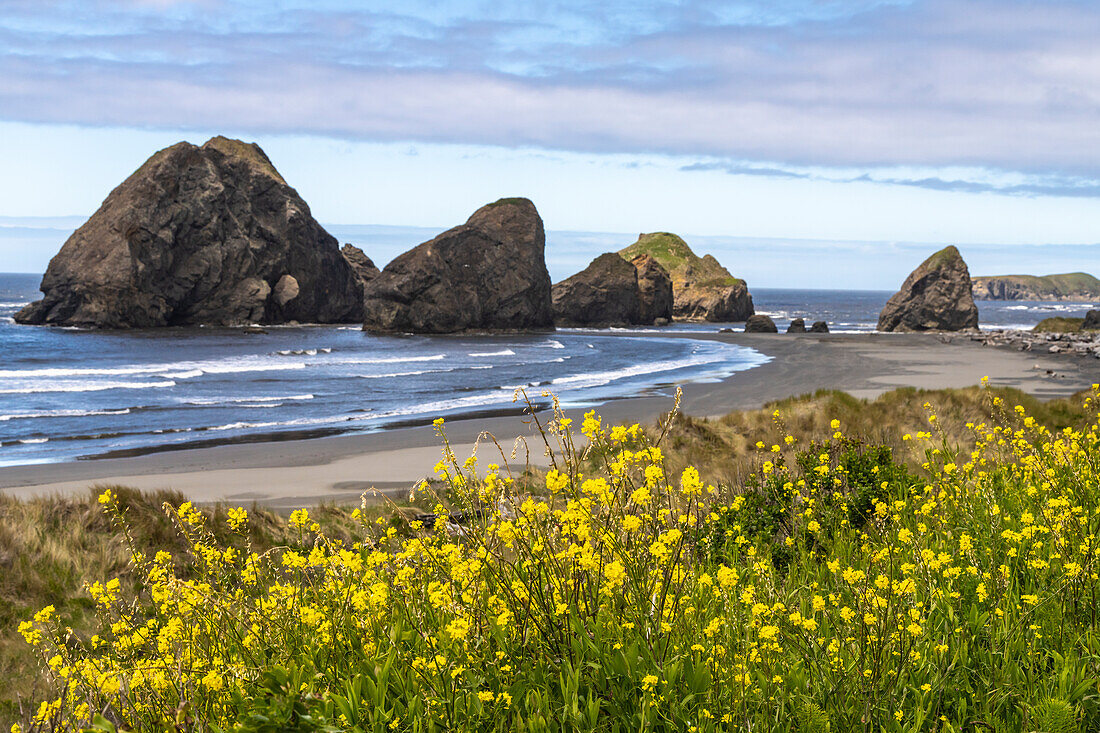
(922, 562)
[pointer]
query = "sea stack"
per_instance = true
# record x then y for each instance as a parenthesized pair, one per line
(935, 297)
(614, 292)
(487, 274)
(199, 235)
(603, 294)
(702, 289)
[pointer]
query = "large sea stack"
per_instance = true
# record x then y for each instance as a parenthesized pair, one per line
(603, 294)
(614, 292)
(702, 289)
(487, 274)
(935, 297)
(199, 235)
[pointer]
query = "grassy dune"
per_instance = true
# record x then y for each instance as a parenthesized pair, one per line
(963, 548)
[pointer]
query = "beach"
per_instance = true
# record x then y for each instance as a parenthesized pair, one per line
(291, 473)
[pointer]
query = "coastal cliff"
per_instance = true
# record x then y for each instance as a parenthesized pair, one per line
(1068, 286)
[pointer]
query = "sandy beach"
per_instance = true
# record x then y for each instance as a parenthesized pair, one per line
(293, 473)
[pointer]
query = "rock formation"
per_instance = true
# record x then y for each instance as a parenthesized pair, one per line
(702, 289)
(1079, 286)
(199, 235)
(819, 327)
(487, 274)
(935, 297)
(760, 324)
(1092, 321)
(798, 325)
(654, 290)
(604, 293)
(359, 262)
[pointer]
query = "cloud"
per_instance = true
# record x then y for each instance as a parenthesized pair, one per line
(1009, 85)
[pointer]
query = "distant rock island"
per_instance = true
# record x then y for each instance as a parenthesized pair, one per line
(1068, 286)
(614, 292)
(935, 297)
(702, 289)
(199, 235)
(487, 274)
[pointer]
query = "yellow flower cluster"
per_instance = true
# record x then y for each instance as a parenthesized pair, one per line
(609, 590)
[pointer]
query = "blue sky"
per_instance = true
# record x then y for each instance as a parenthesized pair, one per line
(871, 126)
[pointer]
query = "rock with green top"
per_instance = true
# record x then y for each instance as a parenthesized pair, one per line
(935, 297)
(1078, 286)
(199, 235)
(702, 289)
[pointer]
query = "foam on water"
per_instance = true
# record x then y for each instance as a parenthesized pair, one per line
(87, 387)
(502, 352)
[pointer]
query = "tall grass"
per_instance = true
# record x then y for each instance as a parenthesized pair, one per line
(833, 588)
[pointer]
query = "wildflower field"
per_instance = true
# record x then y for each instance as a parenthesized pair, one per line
(832, 587)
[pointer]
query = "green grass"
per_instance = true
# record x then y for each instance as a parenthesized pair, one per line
(674, 254)
(49, 548)
(1059, 324)
(945, 256)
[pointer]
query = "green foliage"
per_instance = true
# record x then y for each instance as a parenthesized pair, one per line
(1054, 716)
(832, 588)
(1058, 324)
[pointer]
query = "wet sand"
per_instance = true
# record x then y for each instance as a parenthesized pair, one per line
(292, 473)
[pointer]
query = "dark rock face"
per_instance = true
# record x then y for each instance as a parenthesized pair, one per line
(819, 327)
(604, 293)
(760, 324)
(359, 262)
(1092, 321)
(199, 235)
(935, 297)
(487, 274)
(798, 325)
(654, 290)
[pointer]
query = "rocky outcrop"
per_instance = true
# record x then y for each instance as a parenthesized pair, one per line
(702, 289)
(655, 297)
(819, 327)
(1068, 286)
(1092, 321)
(935, 297)
(359, 262)
(760, 324)
(199, 235)
(798, 325)
(604, 293)
(487, 274)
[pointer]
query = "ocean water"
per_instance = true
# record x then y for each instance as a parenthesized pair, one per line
(856, 311)
(70, 394)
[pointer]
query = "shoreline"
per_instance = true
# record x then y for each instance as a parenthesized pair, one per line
(295, 472)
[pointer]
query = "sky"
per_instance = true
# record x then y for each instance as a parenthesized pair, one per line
(827, 143)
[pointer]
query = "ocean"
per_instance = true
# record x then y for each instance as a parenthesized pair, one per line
(70, 394)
